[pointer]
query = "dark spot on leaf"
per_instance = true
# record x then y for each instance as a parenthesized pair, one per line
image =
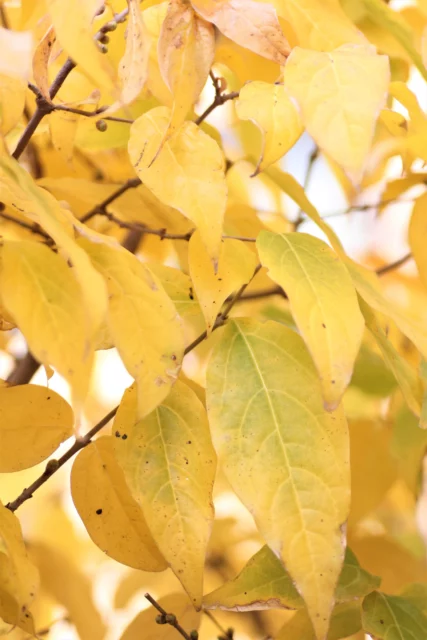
(98, 512)
(382, 621)
(124, 436)
(117, 434)
(323, 325)
(188, 441)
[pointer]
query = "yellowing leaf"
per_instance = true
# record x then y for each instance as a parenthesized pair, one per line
(408, 446)
(12, 102)
(74, 32)
(145, 625)
(179, 288)
(186, 51)
(354, 582)
(272, 110)
(323, 303)
(113, 519)
(407, 377)
(393, 22)
(63, 128)
(373, 469)
(38, 289)
(345, 621)
(18, 576)
(368, 287)
(194, 165)
(388, 617)
(263, 583)
(236, 266)
(20, 192)
(15, 53)
(417, 236)
(340, 95)
(133, 67)
(33, 423)
(269, 427)
(169, 464)
(143, 323)
(41, 61)
(253, 25)
(320, 24)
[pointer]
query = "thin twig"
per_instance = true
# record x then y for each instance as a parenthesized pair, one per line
(308, 175)
(79, 444)
(263, 293)
(34, 228)
(169, 618)
(220, 98)
(100, 209)
(393, 265)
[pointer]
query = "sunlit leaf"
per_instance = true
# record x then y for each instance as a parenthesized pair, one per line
(33, 422)
(39, 291)
(169, 464)
(41, 62)
(18, 576)
(408, 445)
(143, 322)
(113, 519)
(392, 617)
(266, 414)
(371, 375)
(179, 288)
(340, 95)
(235, 268)
(194, 165)
(271, 109)
(417, 234)
(251, 24)
(323, 303)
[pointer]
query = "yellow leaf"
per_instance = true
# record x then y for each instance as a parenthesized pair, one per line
(417, 236)
(186, 51)
(320, 24)
(143, 322)
(270, 429)
(41, 61)
(373, 469)
(253, 25)
(368, 287)
(340, 95)
(345, 621)
(63, 128)
(385, 616)
(18, 576)
(323, 303)
(236, 266)
(74, 32)
(194, 165)
(272, 110)
(20, 192)
(407, 377)
(12, 102)
(169, 464)
(145, 625)
(113, 519)
(64, 581)
(15, 53)
(179, 288)
(33, 423)
(38, 289)
(133, 67)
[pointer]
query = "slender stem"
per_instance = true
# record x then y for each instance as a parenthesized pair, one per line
(393, 265)
(79, 444)
(167, 618)
(219, 100)
(100, 209)
(34, 228)
(308, 175)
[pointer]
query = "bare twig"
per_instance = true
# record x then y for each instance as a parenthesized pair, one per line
(23, 370)
(34, 228)
(308, 175)
(101, 208)
(79, 444)
(170, 618)
(220, 98)
(393, 265)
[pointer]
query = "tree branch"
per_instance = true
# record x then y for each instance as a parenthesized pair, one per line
(170, 618)
(80, 443)
(220, 99)
(101, 208)
(34, 228)
(393, 265)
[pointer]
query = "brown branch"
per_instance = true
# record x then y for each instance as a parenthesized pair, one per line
(308, 175)
(34, 228)
(53, 465)
(100, 209)
(23, 370)
(43, 106)
(170, 618)
(220, 98)
(264, 293)
(393, 265)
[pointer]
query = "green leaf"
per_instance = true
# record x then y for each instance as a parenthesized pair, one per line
(345, 621)
(323, 302)
(354, 582)
(270, 429)
(371, 375)
(389, 617)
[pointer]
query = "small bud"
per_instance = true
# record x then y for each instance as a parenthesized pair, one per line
(101, 125)
(222, 84)
(104, 39)
(110, 26)
(52, 466)
(103, 48)
(194, 635)
(160, 619)
(170, 618)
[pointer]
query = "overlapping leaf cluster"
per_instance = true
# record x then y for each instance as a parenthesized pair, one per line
(269, 366)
